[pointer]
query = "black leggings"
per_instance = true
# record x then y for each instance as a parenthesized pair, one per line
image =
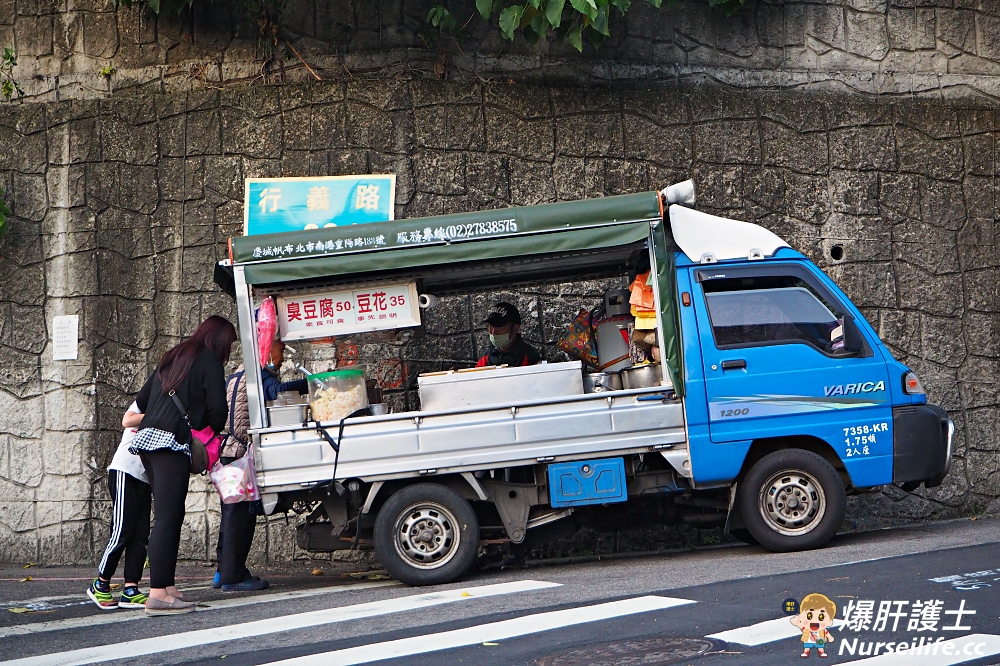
(168, 473)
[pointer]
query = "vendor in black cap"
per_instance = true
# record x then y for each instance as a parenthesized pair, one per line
(507, 347)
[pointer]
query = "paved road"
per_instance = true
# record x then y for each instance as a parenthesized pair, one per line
(708, 607)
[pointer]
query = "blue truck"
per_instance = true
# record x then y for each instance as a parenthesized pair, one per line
(770, 400)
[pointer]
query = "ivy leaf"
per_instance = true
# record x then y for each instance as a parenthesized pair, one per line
(154, 5)
(586, 7)
(655, 3)
(622, 5)
(485, 8)
(539, 24)
(553, 12)
(601, 24)
(535, 3)
(596, 38)
(510, 20)
(4, 213)
(575, 37)
(530, 35)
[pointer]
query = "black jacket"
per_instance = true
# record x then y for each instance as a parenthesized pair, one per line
(203, 393)
(518, 354)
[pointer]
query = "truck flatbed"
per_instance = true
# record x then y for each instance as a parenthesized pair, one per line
(426, 443)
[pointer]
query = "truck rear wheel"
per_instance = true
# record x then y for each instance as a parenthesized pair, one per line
(792, 500)
(426, 534)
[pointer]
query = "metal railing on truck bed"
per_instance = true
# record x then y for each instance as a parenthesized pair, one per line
(457, 440)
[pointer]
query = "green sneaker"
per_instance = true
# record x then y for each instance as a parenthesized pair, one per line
(103, 598)
(132, 598)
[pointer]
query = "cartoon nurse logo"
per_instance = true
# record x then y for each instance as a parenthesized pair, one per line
(815, 615)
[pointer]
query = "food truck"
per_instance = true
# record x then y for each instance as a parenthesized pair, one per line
(767, 401)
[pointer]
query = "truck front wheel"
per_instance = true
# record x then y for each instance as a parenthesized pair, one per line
(792, 500)
(426, 534)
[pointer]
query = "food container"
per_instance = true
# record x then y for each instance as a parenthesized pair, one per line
(280, 415)
(641, 376)
(613, 343)
(335, 394)
(598, 382)
(498, 384)
(616, 302)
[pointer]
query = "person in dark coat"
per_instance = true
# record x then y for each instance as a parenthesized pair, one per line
(507, 347)
(194, 370)
(237, 525)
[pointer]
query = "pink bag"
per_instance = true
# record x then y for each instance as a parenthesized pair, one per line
(212, 442)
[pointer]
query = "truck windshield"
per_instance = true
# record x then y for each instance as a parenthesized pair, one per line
(759, 310)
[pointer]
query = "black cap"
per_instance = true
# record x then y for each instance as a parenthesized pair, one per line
(502, 314)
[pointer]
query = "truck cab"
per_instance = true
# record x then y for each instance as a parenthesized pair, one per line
(780, 365)
(770, 399)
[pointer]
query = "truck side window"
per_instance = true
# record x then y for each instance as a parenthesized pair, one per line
(759, 310)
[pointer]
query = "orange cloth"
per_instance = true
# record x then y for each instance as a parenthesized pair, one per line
(642, 294)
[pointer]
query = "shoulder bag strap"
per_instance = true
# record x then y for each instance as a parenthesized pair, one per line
(232, 405)
(180, 406)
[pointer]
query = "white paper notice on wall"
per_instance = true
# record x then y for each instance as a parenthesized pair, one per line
(65, 337)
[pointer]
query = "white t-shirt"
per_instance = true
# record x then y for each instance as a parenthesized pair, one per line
(125, 461)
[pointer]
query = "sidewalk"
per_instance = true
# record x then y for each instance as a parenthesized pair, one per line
(53, 588)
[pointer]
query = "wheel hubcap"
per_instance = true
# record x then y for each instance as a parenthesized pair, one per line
(792, 503)
(427, 535)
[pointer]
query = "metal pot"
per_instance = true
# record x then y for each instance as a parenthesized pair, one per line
(287, 414)
(598, 382)
(641, 376)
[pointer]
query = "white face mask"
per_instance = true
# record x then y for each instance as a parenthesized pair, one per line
(500, 340)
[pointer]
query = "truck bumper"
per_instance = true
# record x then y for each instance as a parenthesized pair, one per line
(921, 443)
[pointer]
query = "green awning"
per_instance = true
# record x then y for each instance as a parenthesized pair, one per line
(666, 282)
(401, 244)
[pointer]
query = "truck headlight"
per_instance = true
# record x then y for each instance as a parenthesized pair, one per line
(911, 384)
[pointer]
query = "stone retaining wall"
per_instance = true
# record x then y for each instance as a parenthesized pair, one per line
(938, 48)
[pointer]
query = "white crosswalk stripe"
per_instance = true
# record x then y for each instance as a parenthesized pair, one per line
(493, 631)
(131, 649)
(130, 616)
(763, 632)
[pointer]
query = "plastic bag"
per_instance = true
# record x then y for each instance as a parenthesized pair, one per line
(237, 481)
(267, 324)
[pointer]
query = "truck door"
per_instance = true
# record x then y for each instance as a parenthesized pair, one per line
(772, 369)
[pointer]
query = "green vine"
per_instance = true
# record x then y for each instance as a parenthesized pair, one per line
(8, 84)
(4, 214)
(572, 21)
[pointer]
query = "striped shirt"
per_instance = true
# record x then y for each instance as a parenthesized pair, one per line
(151, 439)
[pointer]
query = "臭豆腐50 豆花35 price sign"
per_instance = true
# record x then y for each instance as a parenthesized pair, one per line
(326, 314)
(276, 205)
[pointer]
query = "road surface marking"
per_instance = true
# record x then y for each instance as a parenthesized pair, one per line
(969, 648)
(763, 632)
(130, 649)
(484, 633)
(127, 616)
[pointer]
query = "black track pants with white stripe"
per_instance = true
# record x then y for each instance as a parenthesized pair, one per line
(129, 526)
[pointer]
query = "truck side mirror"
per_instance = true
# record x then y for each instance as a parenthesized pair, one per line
(848, 338)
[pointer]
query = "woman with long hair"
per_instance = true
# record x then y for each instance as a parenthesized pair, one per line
(194, 371)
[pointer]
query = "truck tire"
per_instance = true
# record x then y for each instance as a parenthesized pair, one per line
(792, 500)
(426, 534)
